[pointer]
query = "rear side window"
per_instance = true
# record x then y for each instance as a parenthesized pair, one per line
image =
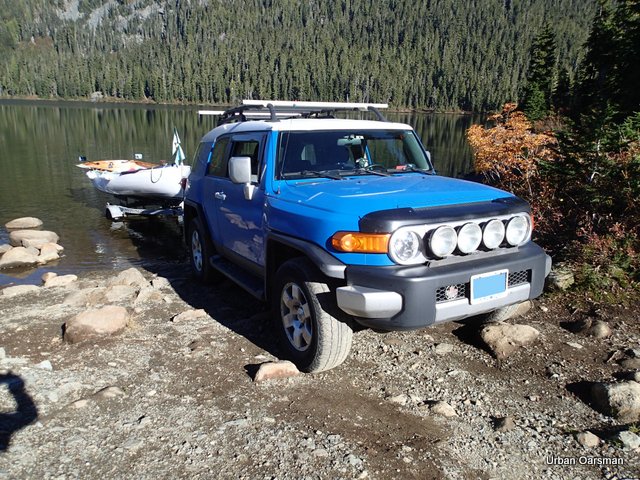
(249, 149)
(218, 161)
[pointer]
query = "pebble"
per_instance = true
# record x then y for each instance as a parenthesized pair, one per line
(443, 348)
(443, 408)
(575, 345)
(588, 439)
(44, 365)
(629, 439)
(276, 370)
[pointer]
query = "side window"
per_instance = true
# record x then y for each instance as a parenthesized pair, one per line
(248, 148)
(218, 161)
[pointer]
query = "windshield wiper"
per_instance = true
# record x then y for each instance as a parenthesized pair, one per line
(369, 171)
(315, 173)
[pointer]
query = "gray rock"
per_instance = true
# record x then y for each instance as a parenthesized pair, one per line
(44, 365)
(19, 290)
(400, 399)
(130, 277)
(599, 329)
(443, 348)
(86, 297)
(23, 223)
(60, 281)
(147, 295)
(561, 277)
(189, 315)
(47, 276)
(4, 248)
(443, 408)
(619, 400)
(629, 440)
(273, 370)
(95, 323)
(108, 393)
(588, 439)
(48, 253)
(503, 339)
(631, 363)
(504, 424)
(160, 283)
(120, 293)
(18, 257)
(32, 238)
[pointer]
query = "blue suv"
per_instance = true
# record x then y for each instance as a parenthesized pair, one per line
(343, 223)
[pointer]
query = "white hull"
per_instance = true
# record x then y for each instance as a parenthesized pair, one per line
(160, 184)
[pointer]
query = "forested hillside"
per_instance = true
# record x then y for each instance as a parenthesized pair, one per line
(432, 54)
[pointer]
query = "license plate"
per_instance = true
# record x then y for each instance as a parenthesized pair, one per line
(489, 286)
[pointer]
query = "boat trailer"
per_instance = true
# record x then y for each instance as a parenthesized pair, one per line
(118, 212)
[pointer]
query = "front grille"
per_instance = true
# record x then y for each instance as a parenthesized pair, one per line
(518, 278)
(449, 293)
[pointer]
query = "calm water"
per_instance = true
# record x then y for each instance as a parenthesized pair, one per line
(40, 144)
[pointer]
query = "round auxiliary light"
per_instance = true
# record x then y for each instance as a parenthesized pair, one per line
(469, 237)
(518, 230)
(443, 241)
(404, 246)
(493, 234)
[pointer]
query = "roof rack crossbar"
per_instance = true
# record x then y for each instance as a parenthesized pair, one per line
(287, 109)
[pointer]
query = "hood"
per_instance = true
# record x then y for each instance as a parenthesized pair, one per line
(364, 194)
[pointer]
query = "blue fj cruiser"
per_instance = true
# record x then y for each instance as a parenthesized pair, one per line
(343, 223)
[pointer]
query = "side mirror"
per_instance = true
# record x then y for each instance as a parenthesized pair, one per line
(240, 169)
(240, 173)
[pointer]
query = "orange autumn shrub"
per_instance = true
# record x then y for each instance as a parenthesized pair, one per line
(510, 156)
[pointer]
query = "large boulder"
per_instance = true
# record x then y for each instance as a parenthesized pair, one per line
(619, 400)
(18, 257)
(94, 323)
(23, 223)
(32, 238)
(503, 339)
(4, 248)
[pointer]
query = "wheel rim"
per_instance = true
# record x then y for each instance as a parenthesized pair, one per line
(296, 317)
(196, 251)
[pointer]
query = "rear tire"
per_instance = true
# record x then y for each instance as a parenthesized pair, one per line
(313, 338)
(200, 251)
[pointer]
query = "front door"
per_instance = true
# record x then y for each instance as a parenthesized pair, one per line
(239, 219)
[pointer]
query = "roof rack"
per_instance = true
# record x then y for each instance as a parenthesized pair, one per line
(279, 109)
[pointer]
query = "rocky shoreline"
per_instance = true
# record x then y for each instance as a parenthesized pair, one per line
(132, 374)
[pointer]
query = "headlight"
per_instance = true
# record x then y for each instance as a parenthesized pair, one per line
(443, 241)
(518, 230)
(493, 234)
(469, 237)
(404, 247)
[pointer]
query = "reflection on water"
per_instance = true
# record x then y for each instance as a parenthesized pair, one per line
(41, 142)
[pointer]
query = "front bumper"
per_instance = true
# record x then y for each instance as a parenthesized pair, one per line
(406, 298)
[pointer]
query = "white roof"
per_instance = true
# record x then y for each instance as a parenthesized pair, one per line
(304, 124)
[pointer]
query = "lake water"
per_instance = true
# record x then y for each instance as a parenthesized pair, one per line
(40, 143)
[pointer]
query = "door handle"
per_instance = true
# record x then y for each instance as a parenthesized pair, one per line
(220, 195)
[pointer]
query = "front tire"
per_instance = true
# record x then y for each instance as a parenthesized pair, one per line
(313, 338)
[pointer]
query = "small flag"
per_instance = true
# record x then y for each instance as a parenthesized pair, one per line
(176, 150)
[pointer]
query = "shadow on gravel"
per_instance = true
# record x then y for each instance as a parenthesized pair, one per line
(582, 390)
(225, 302)
(26, 411)
(469, 333)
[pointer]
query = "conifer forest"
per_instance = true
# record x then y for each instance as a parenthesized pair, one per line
(443, 55)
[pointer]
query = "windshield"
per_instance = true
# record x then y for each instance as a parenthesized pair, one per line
(393, 151)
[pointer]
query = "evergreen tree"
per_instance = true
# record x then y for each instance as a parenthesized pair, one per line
(541, 75)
